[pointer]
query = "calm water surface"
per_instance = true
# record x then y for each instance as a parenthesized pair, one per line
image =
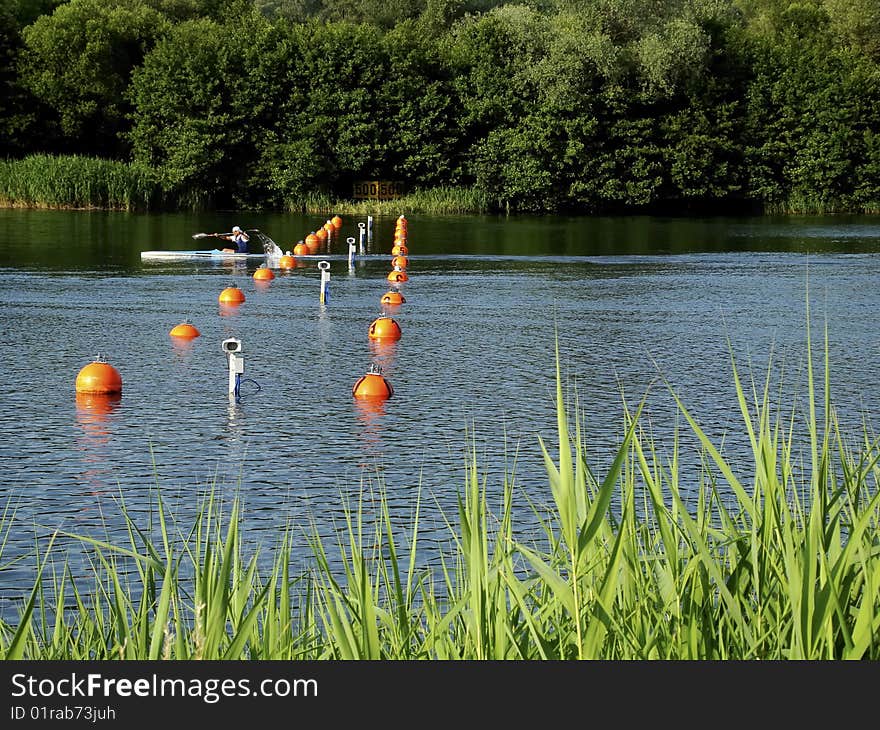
(636, 302)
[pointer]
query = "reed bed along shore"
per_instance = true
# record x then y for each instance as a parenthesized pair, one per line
(90, 183)
(76, 182)
(438, 201)
(626, 568)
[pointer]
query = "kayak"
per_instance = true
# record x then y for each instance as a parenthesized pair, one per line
(212, 255)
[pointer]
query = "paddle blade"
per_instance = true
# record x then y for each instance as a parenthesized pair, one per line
(201, 235)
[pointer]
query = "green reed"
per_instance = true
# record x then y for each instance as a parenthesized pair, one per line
(799, 202)
(72, 181)
(785, 565)
(446, 200)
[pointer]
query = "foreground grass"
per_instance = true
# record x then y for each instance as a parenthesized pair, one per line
(790, 569)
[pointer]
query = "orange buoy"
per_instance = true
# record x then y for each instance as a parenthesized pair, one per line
(264, 273)
(286, 262)
(314, 247)
(322, 233)
(372, 385)
(329, 227)
(336, 221)
(400, 249)
(397, 275)
(300, 249)
(99, 377)
(184, 330)
(393, 297)
(311, 239)
(400, 260)
(231, 295)
(384, 328)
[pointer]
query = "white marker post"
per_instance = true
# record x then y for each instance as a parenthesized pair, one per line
(361, 227)
(235, 358)
(350, 240)
(324, 266)
(369, 228)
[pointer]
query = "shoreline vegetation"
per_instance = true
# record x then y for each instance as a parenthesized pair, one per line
(89, 183)
(783, 566)
(563, 107)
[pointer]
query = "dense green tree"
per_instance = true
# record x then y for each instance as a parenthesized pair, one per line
(420, 115)
(702, 133)
(286, 163)
(491, 58)
(344, 67)
(857, 22)
(25, 12)
(188, 113)
(580, 105)
(16, 104)
(814, 115)
(79, 61)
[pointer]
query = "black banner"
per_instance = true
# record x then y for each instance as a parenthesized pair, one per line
(167, 693)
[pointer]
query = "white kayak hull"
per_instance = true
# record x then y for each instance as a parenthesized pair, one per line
(212, 255)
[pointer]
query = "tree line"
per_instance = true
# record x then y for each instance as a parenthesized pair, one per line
(581, 106)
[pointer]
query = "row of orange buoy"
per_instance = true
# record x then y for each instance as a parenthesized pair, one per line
(373, 384)
(233, 296)
(314, 240)
(399, 253)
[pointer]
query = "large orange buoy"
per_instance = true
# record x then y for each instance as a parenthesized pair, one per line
(397, 275)
(336, 221)
(264, 273)
(393, 298)
(300, 249)
(372, 385)
(99, 377)
(400, 249)
(311, 239)
(322, 234)
(400, 261)
(231, 295)
(384, 328)
(329, 227)
(185, 331)
(286, 262)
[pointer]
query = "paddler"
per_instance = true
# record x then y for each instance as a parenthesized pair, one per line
(239, 238)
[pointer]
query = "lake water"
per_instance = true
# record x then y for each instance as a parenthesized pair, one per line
(634, 301)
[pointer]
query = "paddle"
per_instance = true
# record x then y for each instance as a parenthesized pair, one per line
(218, 235)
